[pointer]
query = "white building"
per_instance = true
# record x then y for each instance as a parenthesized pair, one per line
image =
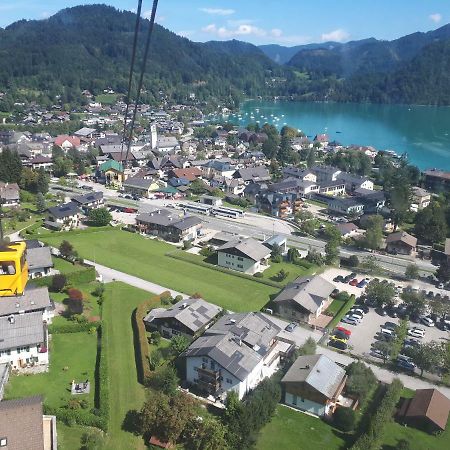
(64, 217)
(244, 255)
(24, 340)
(235, 354)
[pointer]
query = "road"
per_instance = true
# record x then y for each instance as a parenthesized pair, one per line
(299, 335)
(260, 226)
(109, 275)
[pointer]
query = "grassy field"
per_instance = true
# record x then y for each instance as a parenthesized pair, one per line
(292, 270)
(66, 267)
(125, 391)
(292, 430)
(72, 357)
(147, 259)
(107, 99)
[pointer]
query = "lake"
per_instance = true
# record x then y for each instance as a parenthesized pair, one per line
(423, 132)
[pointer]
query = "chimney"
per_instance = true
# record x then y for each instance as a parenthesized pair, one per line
(11, 319)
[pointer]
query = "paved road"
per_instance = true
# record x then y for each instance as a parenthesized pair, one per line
(109, 275)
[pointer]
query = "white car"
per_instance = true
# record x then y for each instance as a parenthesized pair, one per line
(387, 332)
(416, 332)
(357, 310)
(356, 315)
(427, 321)
(350, 320)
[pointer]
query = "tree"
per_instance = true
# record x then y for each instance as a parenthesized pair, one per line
(427, 356)
(308, 348)
(384, 348)
(197, 187)
(344, 419)
(412, 272)
(10, 166)
(206, 434)
(374, 232)
(42, 181)
(91, 441)
(443, 271)
(276, 253)
(292, 254)
(66, 249)
(165, 379)
(100, 217)
(415, 302)
(353, 261)
(380, 292)
(282, 275)
(178, 344)
(58, 283)
(41, 205)
(303, 215)
(331, 252)
(430, 223)
(311, 159)
(360, 380)
(400, 335)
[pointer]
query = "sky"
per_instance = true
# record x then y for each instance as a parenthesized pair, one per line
(284, 22)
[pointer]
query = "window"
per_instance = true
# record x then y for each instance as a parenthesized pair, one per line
(240, 266)
(205, 360)
(229, 380)
(240, 259)
(5, 352)
(8, 268)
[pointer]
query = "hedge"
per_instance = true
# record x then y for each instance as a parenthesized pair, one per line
(188, 258)
(78, 416)
(371, 438)
(342, 312)
(140, 338)
(72, 327)
(101, 376)
(42, 236)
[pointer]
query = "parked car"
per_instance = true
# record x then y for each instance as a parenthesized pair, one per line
(291, 327)
(390, 325)
(353, 282)
(356, 315)
(338, 279)
(406, 365)
(387, 332)
(350, 320)
(362, 284)
(337, 344)
(440, 286)
(381, 311)
(364, 308)
(334, 293)
(410, 342)
(416, 332)
(392, 312)
(404, 358)
(338, 339)
(344, 330)
(427, 321)
(377, 353)
(357, 310)
(340, 335)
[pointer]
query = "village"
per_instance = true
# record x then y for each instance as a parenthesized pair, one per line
(235, 262)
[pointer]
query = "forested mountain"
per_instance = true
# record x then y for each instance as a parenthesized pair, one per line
(365, 56)
(282, 54)
(89, 47)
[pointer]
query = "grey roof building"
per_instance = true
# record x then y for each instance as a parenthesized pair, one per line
(305, 298)
(255, 174)
(249, 247)
(88, 199)
(314, 383)
(63, 211)
(188, 316)
(39, 258)
(33, 299)
(21, 330)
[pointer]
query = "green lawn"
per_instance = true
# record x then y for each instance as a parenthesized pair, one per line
(72, 357)
(293, 271)
(66, 267)
(107, 99)
(145, 258)
(124, 390)
(292, 430)
(418, 440)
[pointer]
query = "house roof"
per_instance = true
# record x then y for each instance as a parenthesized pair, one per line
(9, 191)
(21, 330)
(254, 329)
(189, 174)
(346, 228)
(429, 403)
(165, 218)
(65, 210)
(111, 165)
(39, 257)
(21, 423)
(90, 197)
(228, 351)
(250, 247)
(59, 140)
(193, 313)
(318, 371)
(309, 293)
(84, 132)
(420, 192)
(258, 173)
(32, 299)
(402, 236)
(140, 183)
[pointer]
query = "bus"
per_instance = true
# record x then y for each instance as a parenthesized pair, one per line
(224, 211)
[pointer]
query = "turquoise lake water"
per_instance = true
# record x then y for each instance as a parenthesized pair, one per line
(423, 132)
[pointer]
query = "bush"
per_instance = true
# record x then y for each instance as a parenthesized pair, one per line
(58, 283)
(102, 388)
(344, 419)
(258, 275)
(155, 338)
(75, 294)
(353, 261)
(72, 327)
(99, 217)
(166, 298)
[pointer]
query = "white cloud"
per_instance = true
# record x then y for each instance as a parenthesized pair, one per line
(240, 30)
(218, 11)
(436, 18)
(338, 35)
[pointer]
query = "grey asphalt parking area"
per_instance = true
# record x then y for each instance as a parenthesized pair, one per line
(363, 335)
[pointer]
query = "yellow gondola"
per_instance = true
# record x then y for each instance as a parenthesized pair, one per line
(13, 269)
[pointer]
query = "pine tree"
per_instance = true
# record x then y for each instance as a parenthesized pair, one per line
(41, 206)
